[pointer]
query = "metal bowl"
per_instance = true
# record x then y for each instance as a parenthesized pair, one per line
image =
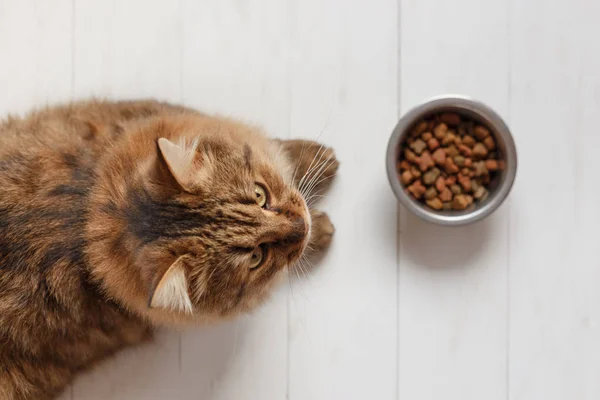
(480, 113)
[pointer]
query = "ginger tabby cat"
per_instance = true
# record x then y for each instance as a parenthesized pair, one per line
(117, 217)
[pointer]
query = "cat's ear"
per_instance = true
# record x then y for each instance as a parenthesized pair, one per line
(171, 291)
(179, 159)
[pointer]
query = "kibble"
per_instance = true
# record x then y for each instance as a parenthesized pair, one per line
(410, 156)
(430, 176)
(460, 202)
(446, 195)
(457, 139)
(451, 119)
(491, 165)
(465, 150)
(489, 143)
(420, 128)
(431, 193)
(440, 131)
(417, 189)
(433, 144)
(416, 172)
(451, 151)
(468, 141)
(435, 203)
(465, 182)
(448, 162)
(418, 146)
(450, 138)
(479, 151)
(407, 177)
(451, 167)
(425, 161)
(440, 184)
(459, 160)
(439, 156)
(481, 132)
(480, 168)
(479, 192)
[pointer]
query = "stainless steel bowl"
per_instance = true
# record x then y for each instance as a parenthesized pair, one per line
(478, 112)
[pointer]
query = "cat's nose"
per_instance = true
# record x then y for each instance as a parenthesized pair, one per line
(298, 230)
(294, 231)
(287, 229)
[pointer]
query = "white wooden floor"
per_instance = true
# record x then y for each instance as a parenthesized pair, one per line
(505, 309)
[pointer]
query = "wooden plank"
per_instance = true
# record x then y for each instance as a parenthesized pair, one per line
(35, 67)
(236, 60)
(453, 281)
(235, 63)
(554, 297)
(130, 50)
(343, 317)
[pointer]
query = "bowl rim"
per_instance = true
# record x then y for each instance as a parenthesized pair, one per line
(491, 118)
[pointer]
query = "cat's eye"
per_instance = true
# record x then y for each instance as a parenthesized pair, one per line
(261, 195)
(257, 257)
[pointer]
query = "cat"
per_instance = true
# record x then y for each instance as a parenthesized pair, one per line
(119, 217)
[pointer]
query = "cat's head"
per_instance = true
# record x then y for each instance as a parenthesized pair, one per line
(202, 219)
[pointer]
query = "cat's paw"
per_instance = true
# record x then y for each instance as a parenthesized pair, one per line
(322, 231)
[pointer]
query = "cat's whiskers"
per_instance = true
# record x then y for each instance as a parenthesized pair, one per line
(314, 179)
(313, 174)
(310, 167)
(296, 305)
(311, 171)
(309, 264)
(313, 199)
(305, 268)
(302, 186)
(297, 271)
(329, 113)
(298, 163)
(300, 266)
(326, 164)
(319, 182)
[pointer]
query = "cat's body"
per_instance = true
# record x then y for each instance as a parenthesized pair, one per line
(108, 228)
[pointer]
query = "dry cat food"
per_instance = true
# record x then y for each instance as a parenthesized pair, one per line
(448, 162)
